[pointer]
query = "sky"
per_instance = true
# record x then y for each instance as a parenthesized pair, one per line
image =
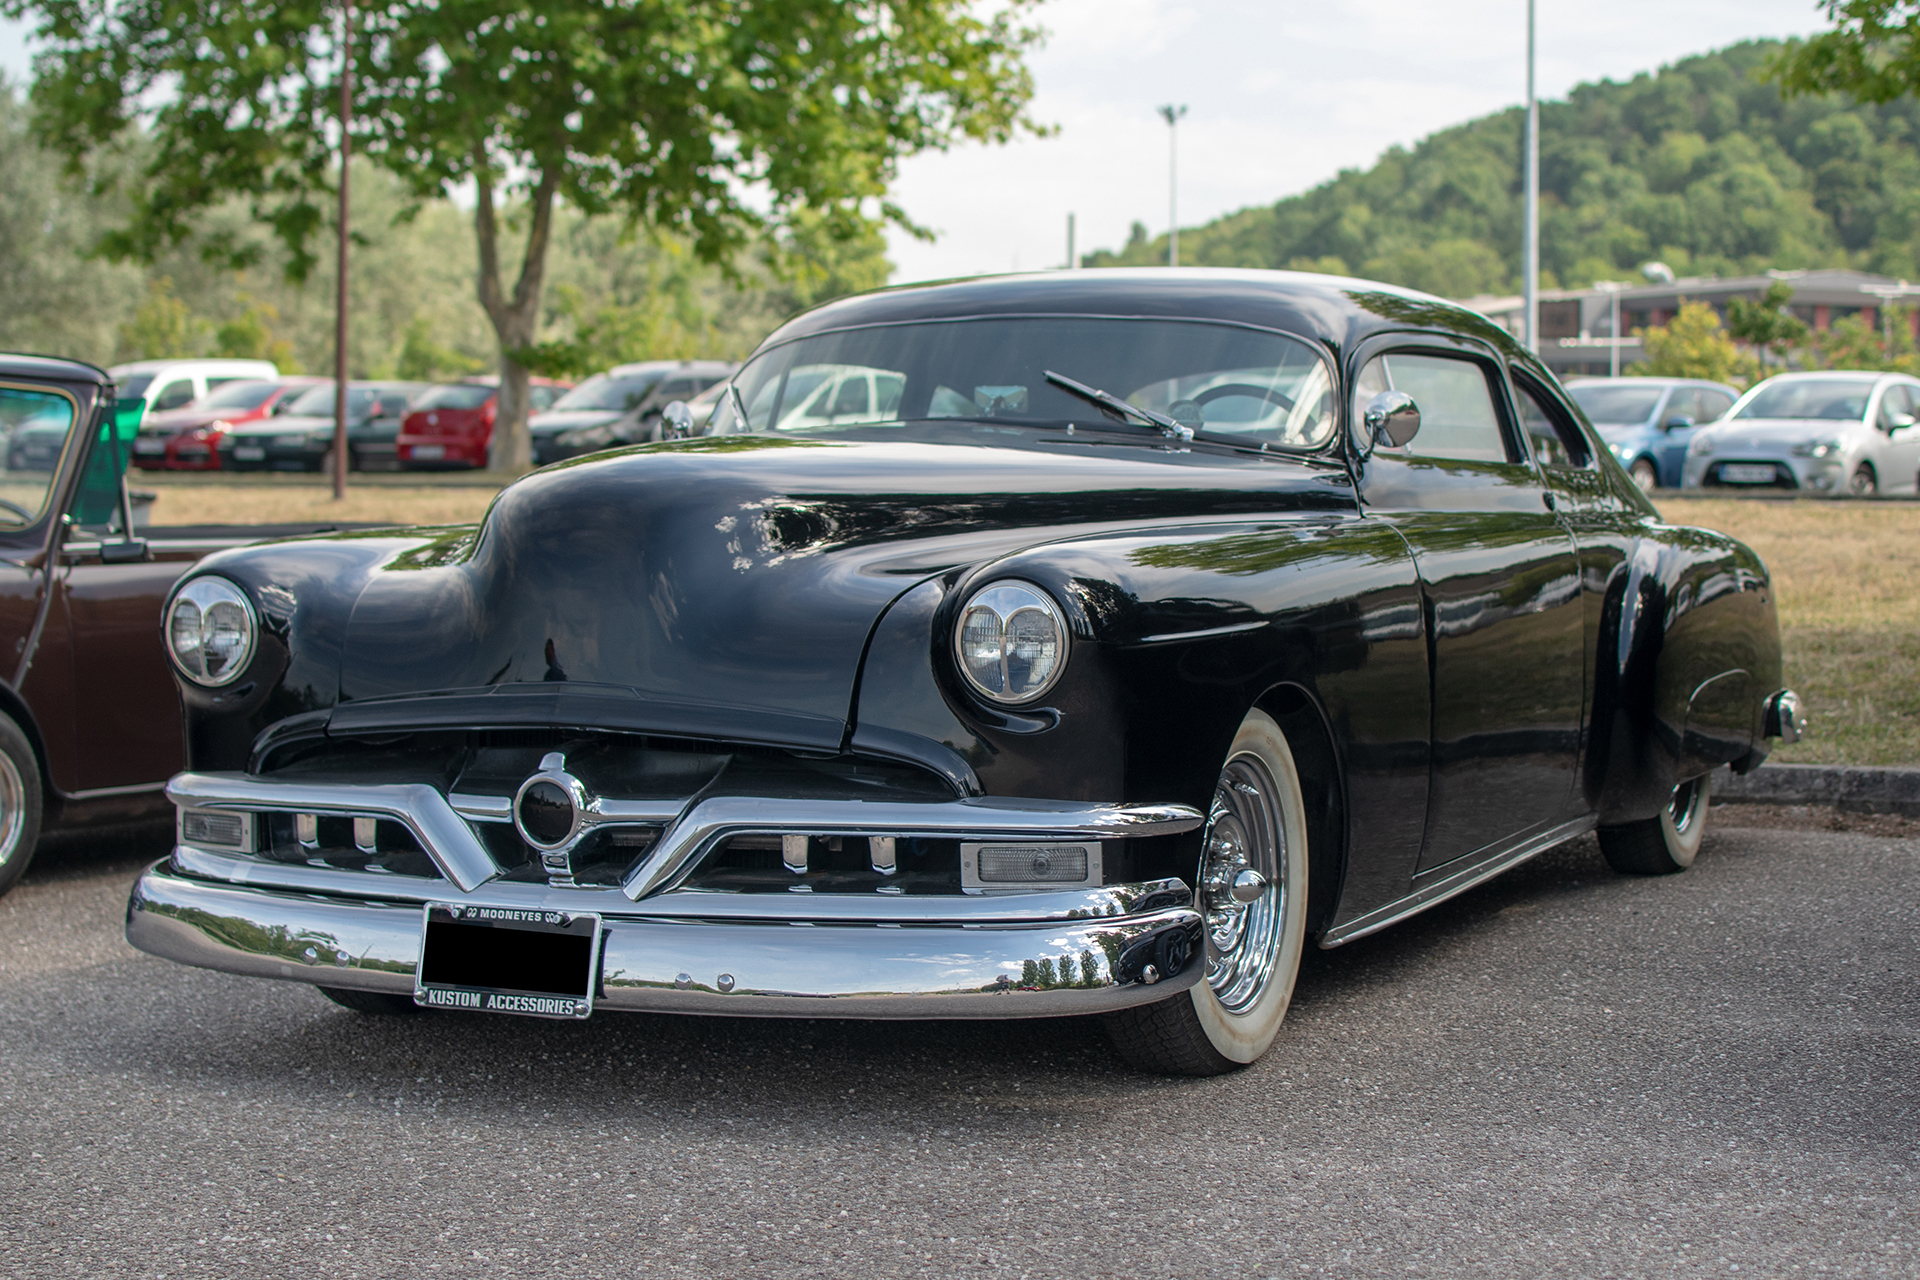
(1281, 96)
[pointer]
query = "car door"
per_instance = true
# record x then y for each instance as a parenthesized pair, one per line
(1895, 420)
(1503, 599)
(178, 393)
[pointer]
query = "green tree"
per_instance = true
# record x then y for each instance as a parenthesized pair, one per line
(249, 335)
(1693, 345)
(1851, 343)
(1767, 324)
(712, 118)
(424, 360)
(1873, 53)
(163, 327)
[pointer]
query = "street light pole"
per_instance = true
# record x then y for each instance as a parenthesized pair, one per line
(1171, 114)
(340, 300)
(1530, 249)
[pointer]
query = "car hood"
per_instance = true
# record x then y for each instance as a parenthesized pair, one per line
(1777, 433)
(174, 421)
(727, 587)
(554, 420)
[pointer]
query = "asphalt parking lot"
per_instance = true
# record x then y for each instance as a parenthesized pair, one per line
(1563, 1072)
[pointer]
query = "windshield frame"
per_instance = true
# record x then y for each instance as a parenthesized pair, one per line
(1137, 430)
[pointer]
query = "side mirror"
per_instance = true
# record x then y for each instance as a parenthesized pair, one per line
(1678, 422)
(1392, 418)
(1899, 420)
(677, 419)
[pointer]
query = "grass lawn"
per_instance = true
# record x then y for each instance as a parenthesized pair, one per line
(1848, 575)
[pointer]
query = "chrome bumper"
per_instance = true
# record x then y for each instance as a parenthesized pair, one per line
(663, 964)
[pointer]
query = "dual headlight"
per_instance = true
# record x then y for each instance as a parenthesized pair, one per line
(1011, 642)
(211, 629)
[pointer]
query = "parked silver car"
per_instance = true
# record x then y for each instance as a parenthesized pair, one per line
(1828, 432)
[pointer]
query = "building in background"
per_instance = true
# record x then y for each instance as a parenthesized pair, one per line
(1576, 325)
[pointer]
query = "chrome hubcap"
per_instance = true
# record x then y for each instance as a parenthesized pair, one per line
(13, 809)
(1683, 806)
(1242, 884)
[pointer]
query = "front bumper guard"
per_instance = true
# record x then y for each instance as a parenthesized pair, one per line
(660, 964)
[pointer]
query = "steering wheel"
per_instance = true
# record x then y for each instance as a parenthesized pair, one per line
(1226, 389)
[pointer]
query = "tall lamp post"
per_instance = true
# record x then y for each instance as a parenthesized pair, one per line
(1171, 114)
(1530, 243)
(340, 300)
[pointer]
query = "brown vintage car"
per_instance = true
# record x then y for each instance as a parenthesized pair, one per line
(90, 726)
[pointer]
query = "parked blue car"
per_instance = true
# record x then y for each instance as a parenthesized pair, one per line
(1648, 422)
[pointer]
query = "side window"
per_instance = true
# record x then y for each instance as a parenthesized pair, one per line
(1457, 415)
(36, 425)
(1551, 433)
(541, 397)
(174, 395)
(1893, 402)
(852, 397)
(1713, 406)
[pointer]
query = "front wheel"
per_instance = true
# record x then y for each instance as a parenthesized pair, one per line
(1644, 475)
(1253, 892)
(1666, 844)
(20, 802)
(1864, 483)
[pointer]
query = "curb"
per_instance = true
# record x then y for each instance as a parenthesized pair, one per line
(1848, 788)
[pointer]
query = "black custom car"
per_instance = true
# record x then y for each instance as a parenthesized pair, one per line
(1073, 643)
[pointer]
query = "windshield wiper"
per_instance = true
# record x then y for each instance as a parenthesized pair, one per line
(1093, 395)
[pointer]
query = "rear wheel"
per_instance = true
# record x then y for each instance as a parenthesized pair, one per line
(1644, 475)
(20, 802)
(1666, 844)
(1253, 892)
(378, 1003)
(1864, 483)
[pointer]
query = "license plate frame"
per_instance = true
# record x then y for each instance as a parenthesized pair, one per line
(1748, 473)
(463, 965)
(148, 448)
(249, 453)
(429, 452)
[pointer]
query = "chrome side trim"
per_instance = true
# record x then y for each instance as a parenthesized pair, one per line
(1235, 629)
(445, 836)
(719, 818)
(666, 965)
(1459, 882)
(703, 904)
(482, 808)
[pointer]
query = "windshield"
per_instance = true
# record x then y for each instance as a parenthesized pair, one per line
(135, 385)
(318, 402)
(240, 395)
(604, 391)
(1611, 403)
(1245, 386)
(457, 395)
(1834, 399)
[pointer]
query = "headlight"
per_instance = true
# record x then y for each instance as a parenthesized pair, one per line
(1702, 445)
(1011, 642)
(1817, 449)
(1620, 451)
(210, 631)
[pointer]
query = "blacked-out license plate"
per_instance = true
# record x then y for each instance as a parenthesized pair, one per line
(545, 964)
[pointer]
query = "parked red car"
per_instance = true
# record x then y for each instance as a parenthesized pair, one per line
(452, 424)
(188, 438)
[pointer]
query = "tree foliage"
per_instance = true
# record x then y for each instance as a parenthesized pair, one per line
(1767, 324)
(709, 119)
(1872, 54)
(1694, 345)
(1701, 165)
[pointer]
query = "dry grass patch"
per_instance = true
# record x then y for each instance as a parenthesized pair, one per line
(1846, 575)
(304, 503)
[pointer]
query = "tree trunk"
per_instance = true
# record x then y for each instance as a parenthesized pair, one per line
(516, 320)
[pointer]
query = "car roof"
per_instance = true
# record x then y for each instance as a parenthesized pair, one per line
(25, 366)
(188, 364)
(668, 366)
(1336, 310)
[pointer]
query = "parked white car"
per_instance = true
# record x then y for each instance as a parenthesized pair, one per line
(1828, 432)
(175, 384)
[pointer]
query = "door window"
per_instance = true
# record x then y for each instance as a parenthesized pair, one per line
(1457, 414)
(36, 426)
(1893, 403)
(174, 395)
(1555, 441)
(1713, 405)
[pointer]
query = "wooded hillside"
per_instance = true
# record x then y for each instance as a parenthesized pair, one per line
(1701, 166)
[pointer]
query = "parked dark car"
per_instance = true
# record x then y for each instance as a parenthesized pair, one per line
(302, 438)
(1648, 423)
(1140, 628)
(451, 425)
(90, 725)
(188, 438)
(621, 406)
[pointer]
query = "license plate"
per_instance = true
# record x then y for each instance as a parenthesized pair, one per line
(249, 452)
(149, 446)
(429, 452)
(1747, 473)
(289, 442)
(544, 964)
